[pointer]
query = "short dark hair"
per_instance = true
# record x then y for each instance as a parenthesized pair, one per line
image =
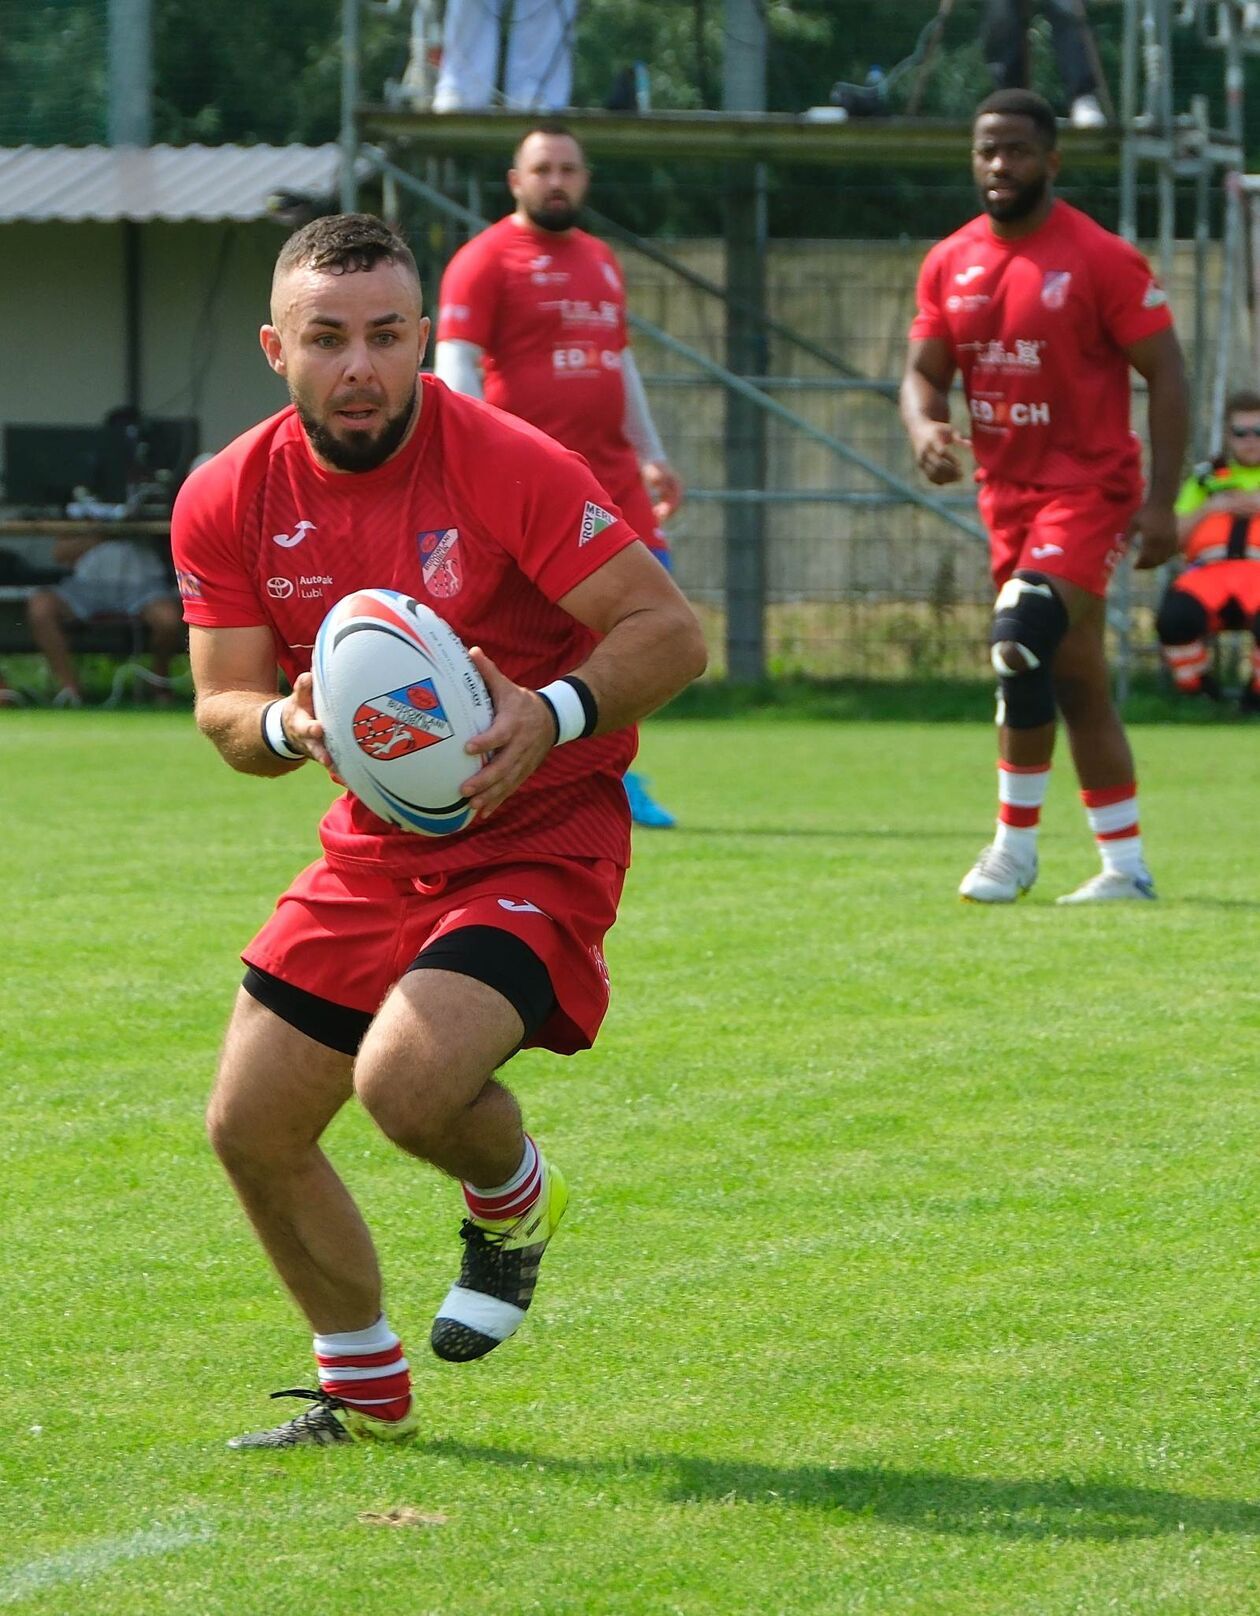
(1245, 401)
(344, 243)
(546, 126)
(1024, 104)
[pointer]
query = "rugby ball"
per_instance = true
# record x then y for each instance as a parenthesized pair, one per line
(399, 698)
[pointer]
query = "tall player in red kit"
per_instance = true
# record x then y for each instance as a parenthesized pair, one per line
(1043, 312)
(397, 968)
(532, 316)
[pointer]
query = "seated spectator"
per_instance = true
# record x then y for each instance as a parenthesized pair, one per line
(1218, 517)
(1005, 46)
(114, 577)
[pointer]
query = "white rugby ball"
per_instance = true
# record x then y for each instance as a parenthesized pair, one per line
(399, 698)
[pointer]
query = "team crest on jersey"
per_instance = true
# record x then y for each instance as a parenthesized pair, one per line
(440, 563)
(594, 520)
(189, 585)
(1154, 297)
(1055, 284)
(401, 721)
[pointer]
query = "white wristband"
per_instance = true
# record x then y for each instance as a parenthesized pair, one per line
(273, 732)
(567, 706)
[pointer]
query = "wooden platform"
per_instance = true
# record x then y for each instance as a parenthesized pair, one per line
(710, 137)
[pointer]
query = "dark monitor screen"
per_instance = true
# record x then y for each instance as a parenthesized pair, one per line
(43, 465)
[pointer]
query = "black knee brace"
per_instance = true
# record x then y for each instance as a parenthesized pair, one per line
(1180, 619)
(1028, 619)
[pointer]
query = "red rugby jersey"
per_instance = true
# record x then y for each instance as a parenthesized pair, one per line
(1038, 328)
(481, 517)
(549, 313)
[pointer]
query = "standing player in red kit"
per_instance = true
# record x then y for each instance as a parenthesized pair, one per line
(1043, 311)
(402, 969)
(532, 316)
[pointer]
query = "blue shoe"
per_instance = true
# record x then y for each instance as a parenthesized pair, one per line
(643, 811)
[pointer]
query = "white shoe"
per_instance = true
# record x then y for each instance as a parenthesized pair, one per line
(1087, 113)
(1111, 884)
(997, 876)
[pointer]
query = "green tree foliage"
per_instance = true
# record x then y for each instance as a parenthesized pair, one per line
(271, 71)
(52, 72)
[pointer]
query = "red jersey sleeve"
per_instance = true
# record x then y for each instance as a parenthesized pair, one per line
(214, 584)
(1132, 302)
(565, 525)
(543, 505)
(929, 318)
(469, 294)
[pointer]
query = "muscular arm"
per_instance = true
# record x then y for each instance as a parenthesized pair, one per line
(1158, 360)
(234, 671)
(458, 364)
(925, 386)
(651, 647)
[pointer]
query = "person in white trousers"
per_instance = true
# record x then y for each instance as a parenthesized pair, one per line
(538, 71)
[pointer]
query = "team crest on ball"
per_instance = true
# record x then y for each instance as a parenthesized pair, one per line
(401, 702)
(401, 721)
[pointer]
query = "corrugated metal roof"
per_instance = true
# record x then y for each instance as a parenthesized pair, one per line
(71, 183)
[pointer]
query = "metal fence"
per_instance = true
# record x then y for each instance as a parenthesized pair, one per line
(859, 580)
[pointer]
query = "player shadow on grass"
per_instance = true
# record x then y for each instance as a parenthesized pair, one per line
(929, 1500)
(831, 833)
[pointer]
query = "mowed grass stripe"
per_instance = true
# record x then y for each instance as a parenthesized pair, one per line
(911, 1263)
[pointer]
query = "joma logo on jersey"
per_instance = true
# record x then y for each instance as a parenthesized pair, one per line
(287, 541)
(401, 721)
(1002, 414)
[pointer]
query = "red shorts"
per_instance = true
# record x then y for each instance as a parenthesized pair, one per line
(348, 938)
(1077, 534)
(1220, 583)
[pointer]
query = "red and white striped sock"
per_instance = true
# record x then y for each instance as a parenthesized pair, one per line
(1021, 793)
(507, 1202)
(1187, 664)
(1113, 818)
(367, 1370)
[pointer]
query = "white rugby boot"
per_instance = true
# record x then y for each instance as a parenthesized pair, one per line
(1109, 885)
(997, 876)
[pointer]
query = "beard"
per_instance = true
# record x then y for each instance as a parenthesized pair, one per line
(362, 451)
(558, 216)
(1011, 209)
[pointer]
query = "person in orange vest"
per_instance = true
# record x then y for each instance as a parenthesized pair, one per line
(1218, 524)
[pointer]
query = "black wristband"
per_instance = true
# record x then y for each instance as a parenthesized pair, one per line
(273, 733)
(588, 704)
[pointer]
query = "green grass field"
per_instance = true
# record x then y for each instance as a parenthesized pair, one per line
(912, 1261)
